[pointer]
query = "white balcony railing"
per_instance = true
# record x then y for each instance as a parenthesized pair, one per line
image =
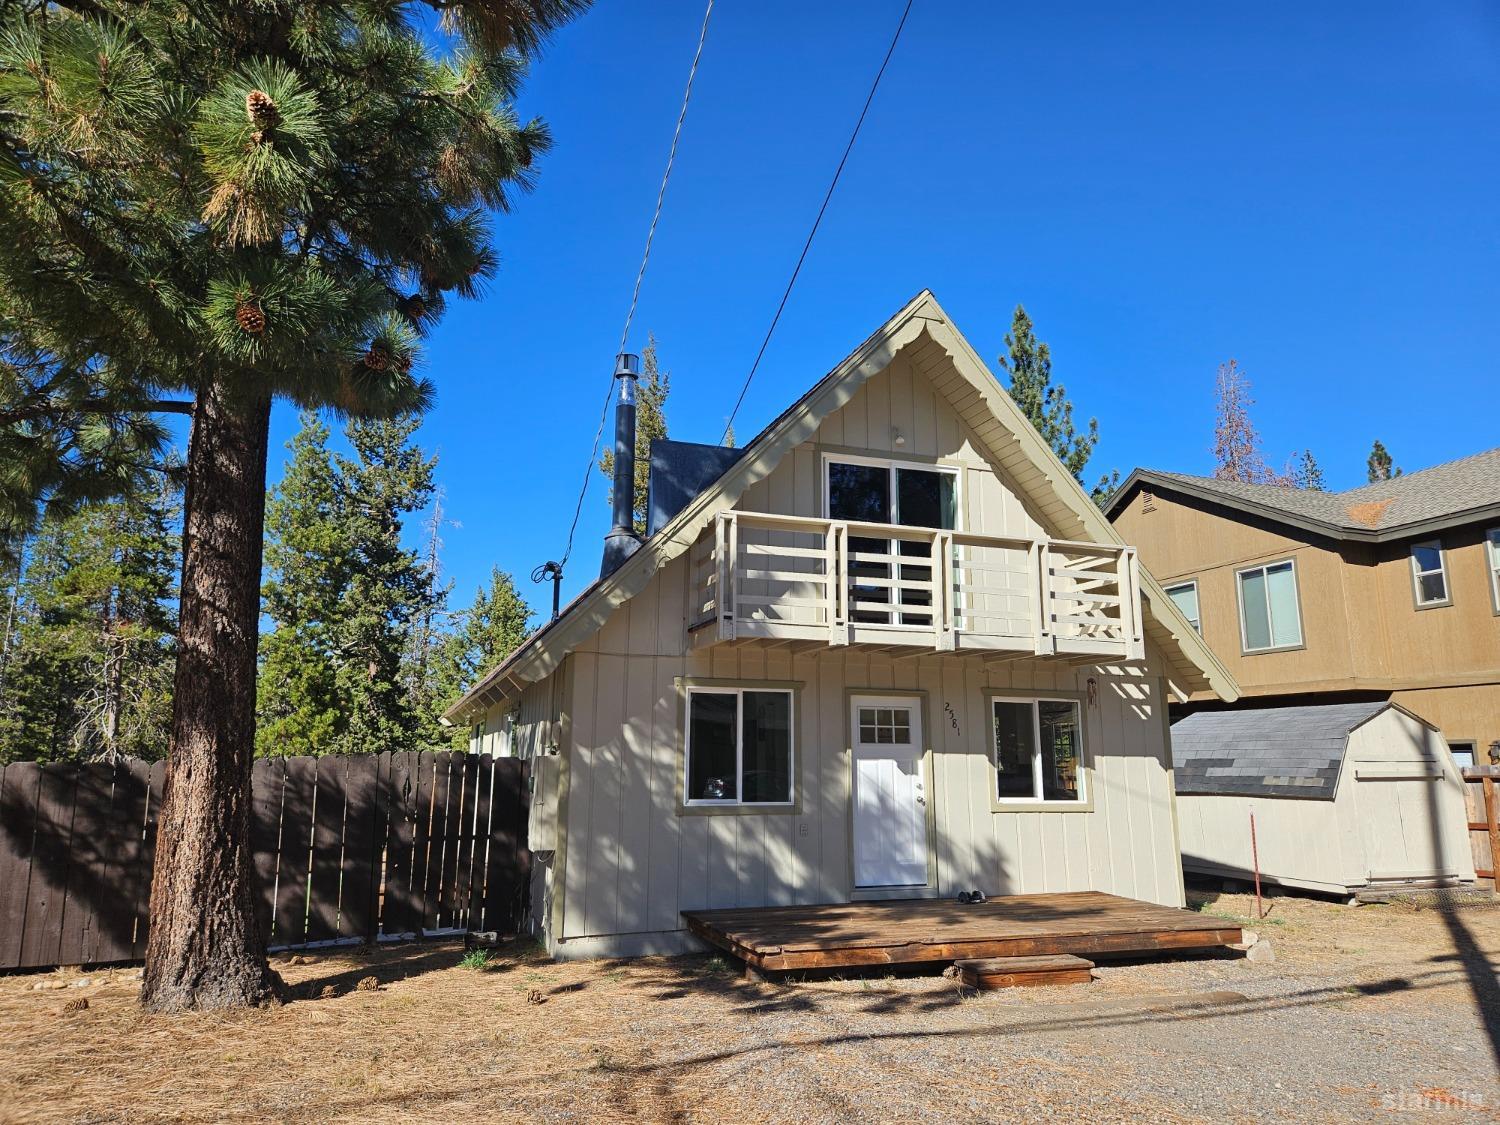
(844, 582)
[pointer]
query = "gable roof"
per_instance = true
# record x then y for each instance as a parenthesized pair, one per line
(1267, 751)
(1456, 492)
(925, 334)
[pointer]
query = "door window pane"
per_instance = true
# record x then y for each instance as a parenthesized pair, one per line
(1256, 610)
(925, 498)
(1015, 745)
(1062, 742)
(859, 492)
(767, 732)
(712, 762)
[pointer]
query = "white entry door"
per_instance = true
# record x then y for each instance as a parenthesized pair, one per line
(890, 797)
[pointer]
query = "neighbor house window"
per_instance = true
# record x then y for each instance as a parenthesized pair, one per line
(1038, 749)
(477, 737)
(739, 746)
(1185, 596)
(1269, 617)
(1428, 575)
(1492, 559)
(1463, 754)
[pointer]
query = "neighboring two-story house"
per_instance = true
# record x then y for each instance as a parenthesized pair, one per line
(1386, 592)
(890, 649)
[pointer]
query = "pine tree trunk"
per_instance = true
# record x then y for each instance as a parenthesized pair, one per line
(204, 951)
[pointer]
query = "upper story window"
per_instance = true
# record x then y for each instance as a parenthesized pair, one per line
(1270, 617)
(1429, 575)
(739, 746)
(909, 495)
(1185, 596)
(1492, 560)
(1038, 749)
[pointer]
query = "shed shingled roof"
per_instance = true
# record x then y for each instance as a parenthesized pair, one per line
(1266, 751)
(1439, 493)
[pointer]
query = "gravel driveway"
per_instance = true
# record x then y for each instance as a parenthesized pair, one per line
(1366, 1013)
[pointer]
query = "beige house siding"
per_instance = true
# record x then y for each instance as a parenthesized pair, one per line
(634, 862)
(631, 861)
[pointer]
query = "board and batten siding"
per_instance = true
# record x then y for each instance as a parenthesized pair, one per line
(630, 861)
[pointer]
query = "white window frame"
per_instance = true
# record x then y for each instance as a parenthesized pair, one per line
(1417, 575)
(1471, 747)
(738, 800)
(1492, 561)
(1239, 597)
(1035, 701)
(476, 737)
(955, 471)
(1197, 598)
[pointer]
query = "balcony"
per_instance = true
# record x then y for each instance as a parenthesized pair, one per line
(842, 582)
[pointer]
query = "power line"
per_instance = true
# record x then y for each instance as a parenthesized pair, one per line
(806, 246)
(661, 194)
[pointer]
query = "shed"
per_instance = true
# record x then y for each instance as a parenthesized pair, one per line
(1345, 797)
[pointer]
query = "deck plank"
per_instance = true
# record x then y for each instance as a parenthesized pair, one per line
(916, 930)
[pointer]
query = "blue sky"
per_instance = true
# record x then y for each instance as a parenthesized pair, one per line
(1310, 189)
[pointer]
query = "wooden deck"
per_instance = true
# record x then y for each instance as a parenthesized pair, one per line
(909, 931)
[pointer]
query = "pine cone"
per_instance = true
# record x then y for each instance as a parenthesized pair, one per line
(377, 358)
(261, 110)
(249, 316)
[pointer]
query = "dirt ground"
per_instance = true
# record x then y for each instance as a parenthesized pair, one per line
(1366, 1013)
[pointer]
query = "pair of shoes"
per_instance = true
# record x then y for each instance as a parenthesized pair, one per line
(968, 897)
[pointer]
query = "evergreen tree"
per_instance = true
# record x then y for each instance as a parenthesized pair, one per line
(389, 588)
(490, 630)
(298, 709)
(238, 201)
(1237, 445)
(650, 424)
(88, 666)
(1029, 364)
(1379, 466)
(343, 594)
(1307, 473)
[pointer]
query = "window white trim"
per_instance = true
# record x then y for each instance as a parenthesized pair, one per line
(1239, 597)
(1492, 559)
(1417, 574)
(738, 800)
(1034, 702)
(1195, 621)
(955, 471)
(1464, 746)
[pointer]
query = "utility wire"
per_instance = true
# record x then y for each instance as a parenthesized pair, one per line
(806, 246)
(661, 194)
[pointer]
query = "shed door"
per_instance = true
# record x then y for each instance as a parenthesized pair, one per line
(890, 798)
(1401, 821)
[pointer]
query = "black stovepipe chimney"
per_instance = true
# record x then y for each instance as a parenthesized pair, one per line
(622, 541)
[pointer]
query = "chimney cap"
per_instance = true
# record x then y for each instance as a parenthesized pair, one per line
(627, 366)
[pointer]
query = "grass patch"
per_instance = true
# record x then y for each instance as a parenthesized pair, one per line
(477, 959)
(1239, 919)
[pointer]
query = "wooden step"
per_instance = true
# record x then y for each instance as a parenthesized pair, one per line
(1023, 972)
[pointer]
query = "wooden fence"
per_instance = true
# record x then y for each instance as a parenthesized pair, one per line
(1483, 807)
(350, 848)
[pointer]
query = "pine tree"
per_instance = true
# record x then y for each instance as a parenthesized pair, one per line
(1306, 472)
(344, 595)
(490, 630)
(298, 709)
(389, 588)
(1047, 406)
(650, 424)
(88, 668)
(1379, 466)
(1237, 445)
(236, 202)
